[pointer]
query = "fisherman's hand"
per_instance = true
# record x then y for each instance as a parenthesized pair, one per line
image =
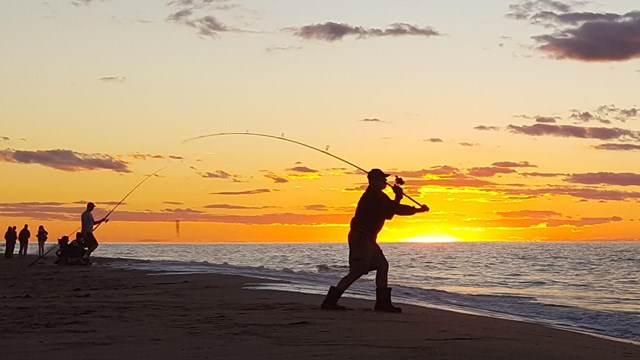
(104, 219)
(397, 190)
(423, 208)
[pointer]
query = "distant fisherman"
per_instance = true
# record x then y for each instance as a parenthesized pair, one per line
(365, 255)
(89, 239)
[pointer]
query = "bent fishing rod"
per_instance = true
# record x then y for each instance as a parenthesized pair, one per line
(399, 181)
(105, 217)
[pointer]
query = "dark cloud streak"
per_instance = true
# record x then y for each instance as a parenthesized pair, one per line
(331, 31)
(583, 36)
(66, 160)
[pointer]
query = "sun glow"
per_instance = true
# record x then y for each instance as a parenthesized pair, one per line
(432, 239)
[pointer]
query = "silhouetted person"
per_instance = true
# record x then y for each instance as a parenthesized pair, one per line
(42, 238)
(10, 238)
(23, 237)
(374, 207)
(88, 222)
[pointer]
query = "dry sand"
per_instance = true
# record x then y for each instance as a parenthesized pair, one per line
(99, 312)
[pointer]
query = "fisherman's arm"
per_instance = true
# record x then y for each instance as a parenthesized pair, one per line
(406, 209)
(402, 209)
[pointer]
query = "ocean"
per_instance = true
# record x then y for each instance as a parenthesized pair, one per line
(590, 287)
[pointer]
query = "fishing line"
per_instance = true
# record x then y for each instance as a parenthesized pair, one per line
(400, 182)
(106, 216)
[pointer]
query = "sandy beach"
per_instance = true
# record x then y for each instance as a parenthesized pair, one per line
(100, 312)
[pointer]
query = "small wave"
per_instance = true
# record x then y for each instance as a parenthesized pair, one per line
(323, 268)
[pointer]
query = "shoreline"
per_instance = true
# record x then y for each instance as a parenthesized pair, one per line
(103, 312)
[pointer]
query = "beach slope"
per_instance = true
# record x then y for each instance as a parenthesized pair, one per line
(101, 312)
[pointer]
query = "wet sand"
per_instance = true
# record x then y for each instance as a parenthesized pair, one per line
(100, 312)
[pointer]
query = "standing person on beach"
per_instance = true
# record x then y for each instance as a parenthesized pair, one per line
(42, 238)
(88, 222)
(23, 237)
(10, 238)
(374, 207)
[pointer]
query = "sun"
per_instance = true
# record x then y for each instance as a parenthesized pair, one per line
(432, 239)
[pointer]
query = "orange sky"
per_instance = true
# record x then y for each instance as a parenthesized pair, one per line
(525, 130)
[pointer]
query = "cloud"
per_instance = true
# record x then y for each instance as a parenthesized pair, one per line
(172, 202)
(607, 112)
(486, 128)
(235, 207)
(536, 214)
(316, 207)
(489, 171)
(546, 120)
(246, 192)
(468, 144)
(4, 138)
(600, 40)
(303, 169)
(584, 221)
(277, 179)
(510, 164)
(433, 140)
(372, 120)
(82, 2)
(607, 178)
(66, 160)
(263, 219)
(331, 31)
(188, 14)
(182, 211)
(586, 116)
(282, 48)
(456, 181)
(218, 174)
(526, 9)
(617, 147)
(139, 156)
(45, 210)
(544, 175)
(514, 223)
(582, 193)
(113, 79)
(600, 133)
(583, 36)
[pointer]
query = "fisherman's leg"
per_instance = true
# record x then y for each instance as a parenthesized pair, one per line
(383, 292)
(382, 275)
(347, 280)
(335, 292)
(92, 244)
(381, 265)
(90, 249)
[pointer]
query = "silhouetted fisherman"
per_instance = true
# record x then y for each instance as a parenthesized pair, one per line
(365, 255)
(10, 238)
(88, 222)
(23, 237)
(42, 238)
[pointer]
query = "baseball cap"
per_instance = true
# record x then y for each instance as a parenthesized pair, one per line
(377, 174)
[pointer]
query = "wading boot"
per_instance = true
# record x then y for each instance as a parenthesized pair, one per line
(331, 300)
(383, 301)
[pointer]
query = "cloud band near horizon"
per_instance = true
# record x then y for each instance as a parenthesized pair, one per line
(66, 160)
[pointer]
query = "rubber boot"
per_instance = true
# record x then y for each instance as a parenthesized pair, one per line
(383, 301)
(331, 300)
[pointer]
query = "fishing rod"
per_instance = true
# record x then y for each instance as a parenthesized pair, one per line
(399, 181)
(105, 217)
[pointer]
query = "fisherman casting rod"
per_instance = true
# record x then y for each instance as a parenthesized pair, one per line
(106, 216)
(398, 180)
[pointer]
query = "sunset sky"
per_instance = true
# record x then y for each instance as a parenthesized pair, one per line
(513, 120)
